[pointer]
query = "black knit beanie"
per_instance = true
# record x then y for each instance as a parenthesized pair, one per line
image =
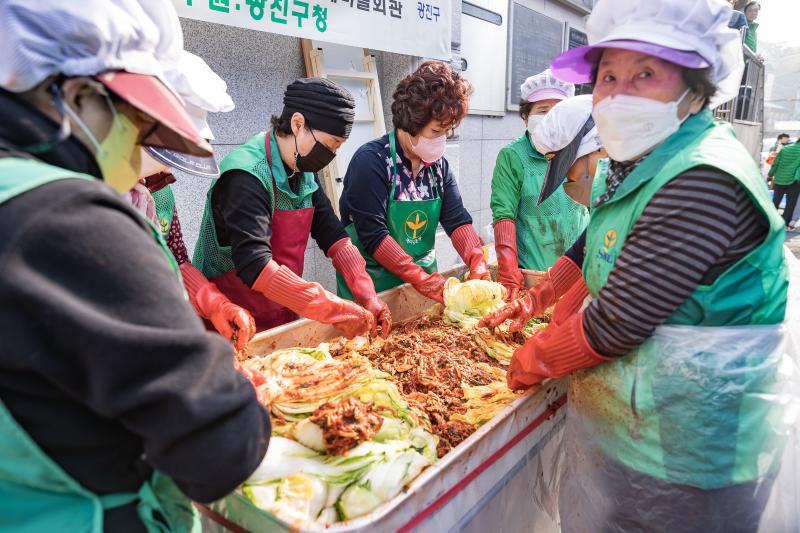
(326, 105)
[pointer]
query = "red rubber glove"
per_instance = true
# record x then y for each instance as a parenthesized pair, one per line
(555, 352)
(554, 284)
(310, 300)
(256, 378)
(227, 317)
(570, 303)
(348, 262)
(505, 244)
(395, 260)
(470, 247)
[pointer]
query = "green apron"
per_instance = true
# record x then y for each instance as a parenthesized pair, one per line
(36, 494)
(697, 404)
(165, 208)
(411, 223)
(544, 232)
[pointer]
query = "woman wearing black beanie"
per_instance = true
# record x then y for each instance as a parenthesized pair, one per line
(267, 201)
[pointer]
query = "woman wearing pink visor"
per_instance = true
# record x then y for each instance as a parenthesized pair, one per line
(677, 415)
(117, 407)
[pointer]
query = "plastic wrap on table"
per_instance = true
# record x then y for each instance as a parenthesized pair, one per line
(703, 438)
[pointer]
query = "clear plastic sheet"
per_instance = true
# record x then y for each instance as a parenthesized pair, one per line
(722, 410)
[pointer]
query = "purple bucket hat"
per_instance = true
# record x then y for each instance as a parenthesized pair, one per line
(576, 65)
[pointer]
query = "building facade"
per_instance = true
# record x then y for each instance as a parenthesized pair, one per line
(259, 65)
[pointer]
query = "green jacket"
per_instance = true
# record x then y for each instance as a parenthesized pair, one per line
(751, 39)
(785, 169)
(546, 231)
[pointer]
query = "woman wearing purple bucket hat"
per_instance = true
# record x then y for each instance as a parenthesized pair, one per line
(679, 408)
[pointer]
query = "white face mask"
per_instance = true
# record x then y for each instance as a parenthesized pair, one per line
(533, 121)
(630, 126)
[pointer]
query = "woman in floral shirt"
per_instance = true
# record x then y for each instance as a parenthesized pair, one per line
(398, 188)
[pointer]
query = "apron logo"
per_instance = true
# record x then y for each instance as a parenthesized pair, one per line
(609, 241)
(416, 226)
(164, 223)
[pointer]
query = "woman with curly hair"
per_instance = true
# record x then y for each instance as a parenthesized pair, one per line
(398, 188)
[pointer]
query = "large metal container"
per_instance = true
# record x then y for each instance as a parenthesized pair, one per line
(504, 477)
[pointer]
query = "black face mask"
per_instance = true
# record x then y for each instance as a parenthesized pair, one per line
(316, 159)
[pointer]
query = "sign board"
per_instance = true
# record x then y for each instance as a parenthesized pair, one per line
(576, 38)
(535, 40)
(417, 28)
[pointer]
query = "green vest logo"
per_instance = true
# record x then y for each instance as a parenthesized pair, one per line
(164, 223)
(609, 240)
(416, 225)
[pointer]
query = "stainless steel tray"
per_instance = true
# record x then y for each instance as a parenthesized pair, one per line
(443, 495)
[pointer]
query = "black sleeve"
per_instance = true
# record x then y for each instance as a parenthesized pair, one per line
(577, 251)
(326, 228)
(365, 197)
(243, 217)
(687, 231)
(454, 214)
(89, 303)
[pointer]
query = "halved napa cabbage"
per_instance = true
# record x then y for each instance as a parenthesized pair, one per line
(465, 303)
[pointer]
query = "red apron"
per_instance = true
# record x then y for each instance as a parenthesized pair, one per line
(290, 232)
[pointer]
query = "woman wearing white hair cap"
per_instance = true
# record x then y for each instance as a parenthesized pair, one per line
(569, 140)
(117, 406)
(678, 418)
(528, 235)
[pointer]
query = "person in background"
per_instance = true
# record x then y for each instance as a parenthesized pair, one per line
(117, 406)
(260, 213)
(739, 23)
(780, 142)
(679, 409)
(203, 92)
(398, 188)
(785, 174)
(751, 10)
(528, 235)
(569, 139)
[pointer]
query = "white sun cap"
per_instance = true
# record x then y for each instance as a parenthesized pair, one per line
(565, 134)
(203, 92)
(545, 86)
(562, 124)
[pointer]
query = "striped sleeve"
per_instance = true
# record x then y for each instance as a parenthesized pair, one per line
(692, 230)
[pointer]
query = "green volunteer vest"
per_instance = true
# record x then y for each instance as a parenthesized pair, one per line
(702, 421)
(544, 232)
(36, 494)
(213, 259)
(412, 223)
(165, 208)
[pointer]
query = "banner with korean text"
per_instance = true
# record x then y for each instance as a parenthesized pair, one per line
(418, 28)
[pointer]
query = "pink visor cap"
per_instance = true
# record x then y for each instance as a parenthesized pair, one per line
(576, 65)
